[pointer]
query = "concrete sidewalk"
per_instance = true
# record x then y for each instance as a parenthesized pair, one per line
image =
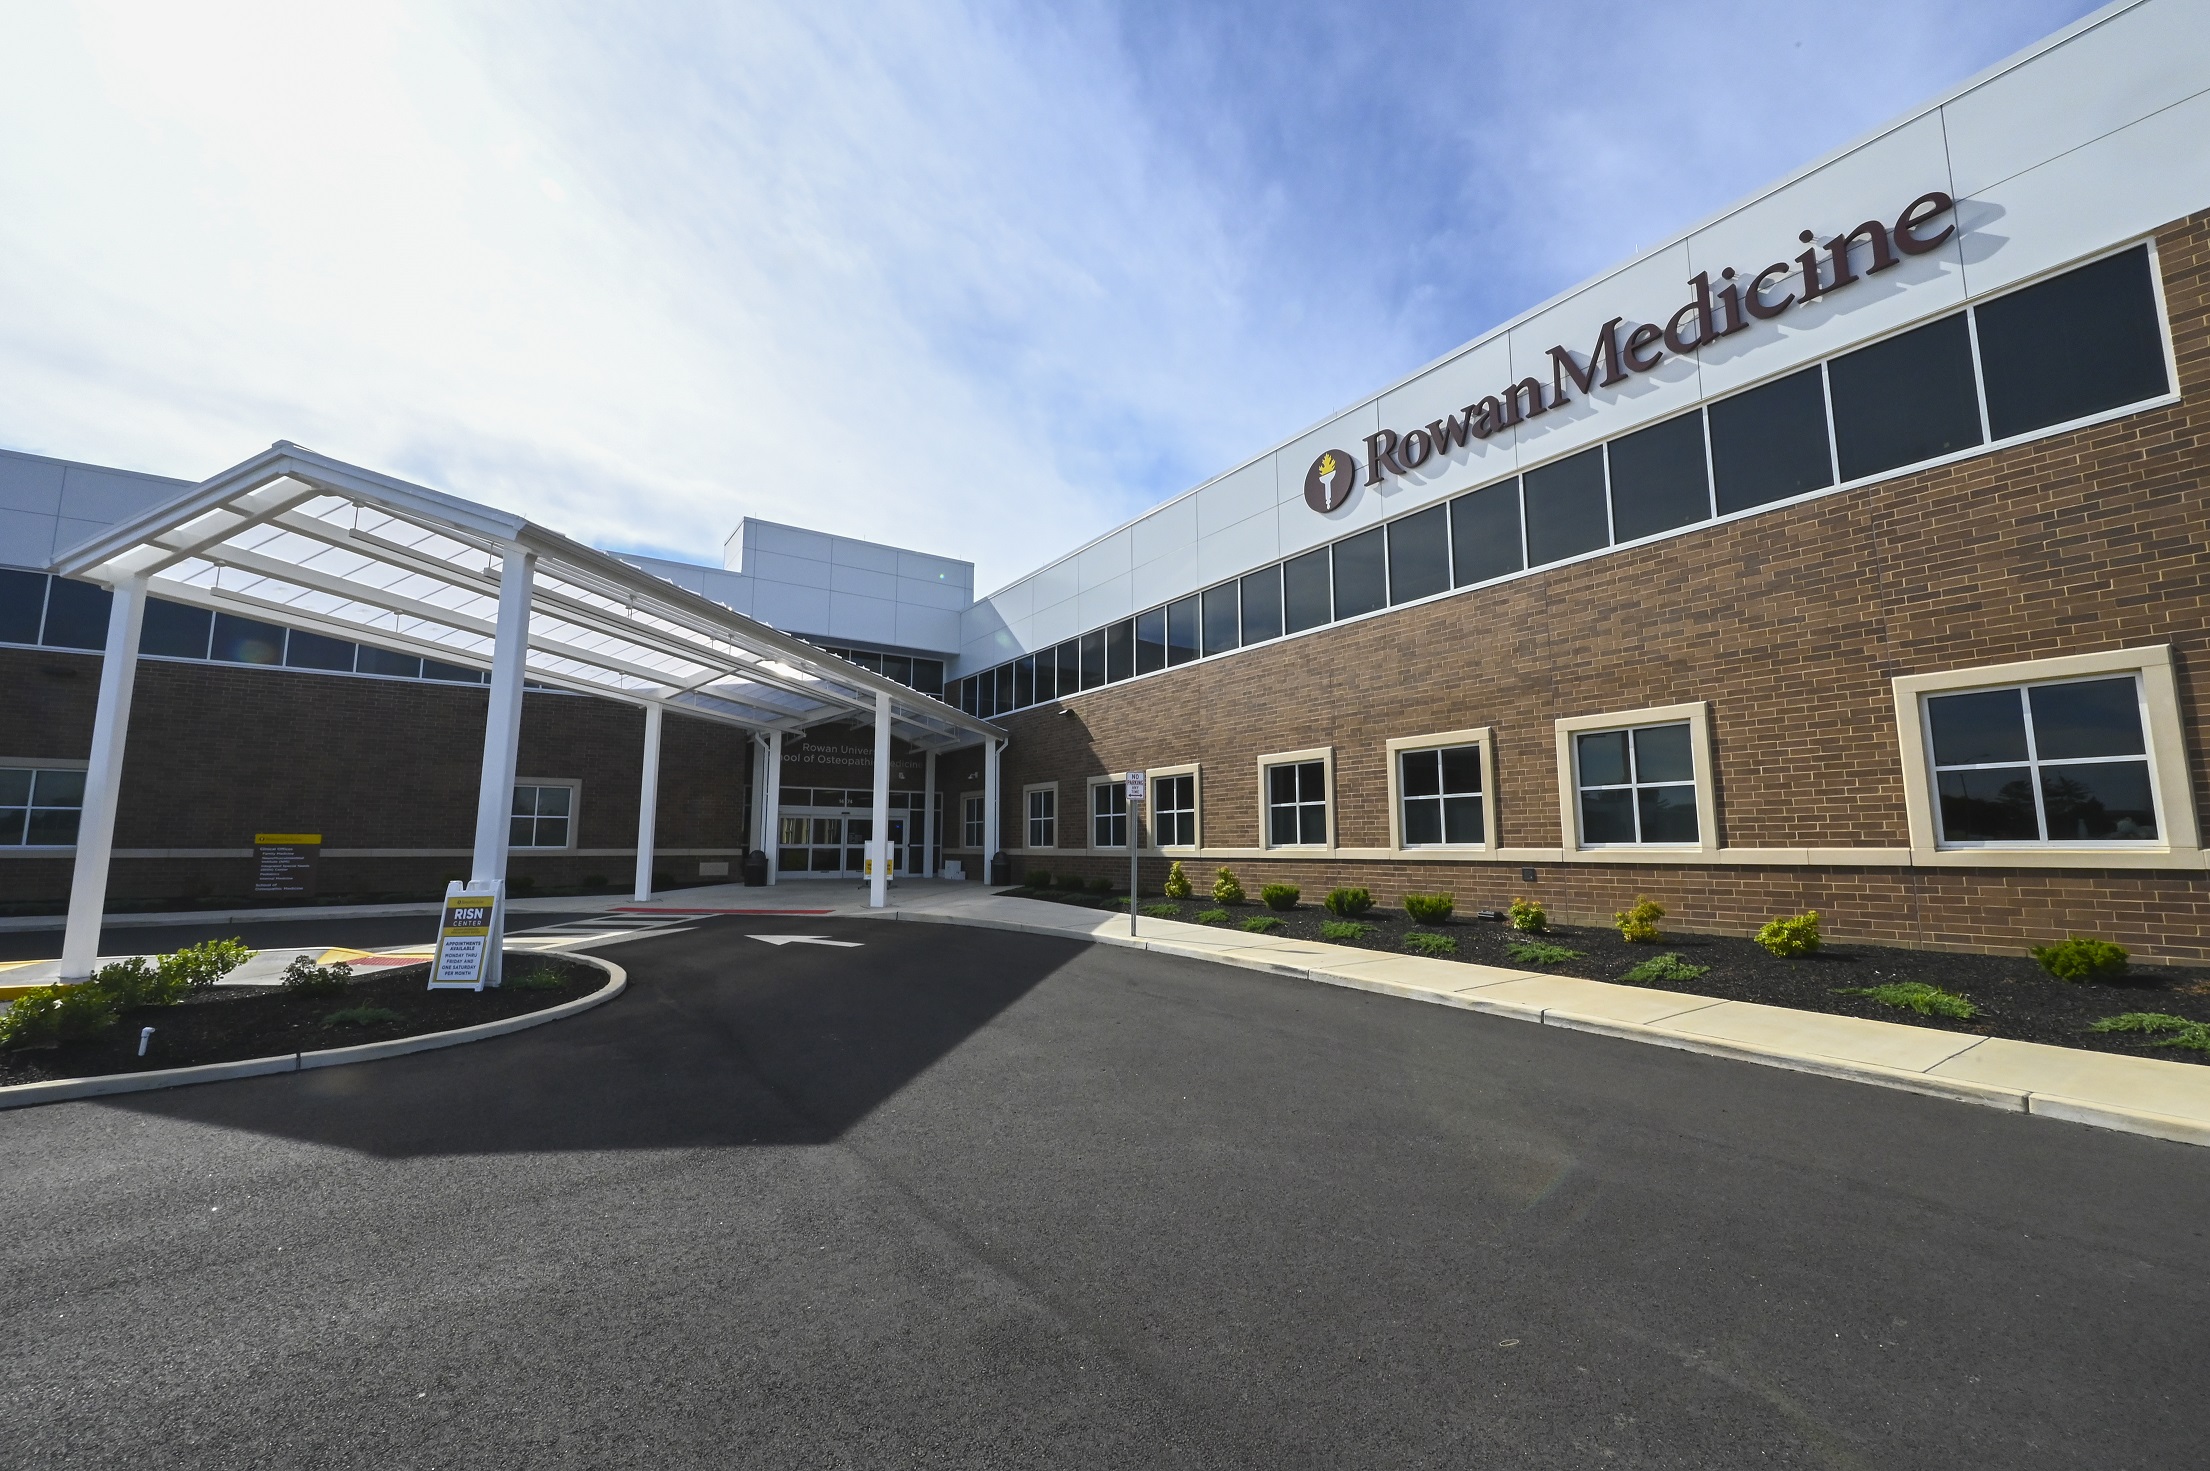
(2140, 1095)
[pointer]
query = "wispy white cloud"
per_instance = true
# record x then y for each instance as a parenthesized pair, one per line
(982, 279)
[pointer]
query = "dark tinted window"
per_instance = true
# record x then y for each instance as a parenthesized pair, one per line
(1151, 641)
(174, 631)
(243, 641)
(1222, 619)
(1003, 674)
(1770, 443)
(1306, 602)
(1974, 729)
(1565, 508)
(1046, 676)
(1484, 534)
(1419, 555)
(1262, 605)
(1361, 574)
(383, 661)
(1068, 656)
(22, 605)
(313, 651)
(2100, 717)
(1181, 631)
(2076, 345)
(1093, 658)
(899, 668)
(1120, 650)
(1657, 478)
(1904, 400)
(1024, 682)
(456, 673)
(76, 615)
(928, 676)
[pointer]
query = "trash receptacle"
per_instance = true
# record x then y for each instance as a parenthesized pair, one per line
(755, 869)
(1001, 868)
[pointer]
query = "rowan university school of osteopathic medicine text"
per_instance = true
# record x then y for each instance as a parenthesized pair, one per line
(1845, 552)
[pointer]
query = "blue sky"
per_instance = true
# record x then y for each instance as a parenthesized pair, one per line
(985, 279)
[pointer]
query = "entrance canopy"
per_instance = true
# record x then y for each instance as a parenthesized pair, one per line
(302, 539)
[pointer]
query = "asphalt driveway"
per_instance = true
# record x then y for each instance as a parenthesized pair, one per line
(961, 1198)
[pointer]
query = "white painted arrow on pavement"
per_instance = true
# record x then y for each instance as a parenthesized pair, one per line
(808, 940)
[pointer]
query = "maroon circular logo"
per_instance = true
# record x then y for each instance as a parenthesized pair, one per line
(1328, 483)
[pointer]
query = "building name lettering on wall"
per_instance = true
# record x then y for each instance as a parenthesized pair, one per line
(1714, 310)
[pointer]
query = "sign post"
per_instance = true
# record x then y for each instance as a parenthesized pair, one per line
(1137, 790)
(468, 934)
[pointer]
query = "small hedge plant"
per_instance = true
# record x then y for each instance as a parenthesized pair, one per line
(1427, 944)
(2083, 959)
(51, 1015)
(1347, 903)
(1280, 896)
(1791, 935)
(1225, 888)
(1101, 886)
(1639, 925)
(1666, 967)
(137, 982)
(1527, 917)
(1428, 908)
(305, 978)
(1177, 884)
(1039, 879)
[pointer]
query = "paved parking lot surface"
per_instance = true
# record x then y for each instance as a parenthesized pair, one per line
(953, 1197)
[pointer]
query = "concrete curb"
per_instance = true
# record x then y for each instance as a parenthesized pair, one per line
(2097, 1114)
(61, 1090)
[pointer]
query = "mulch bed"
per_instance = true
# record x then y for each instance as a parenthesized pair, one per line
(2016, 997)
(232, 1023)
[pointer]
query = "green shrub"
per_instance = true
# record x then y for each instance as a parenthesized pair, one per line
(1347, 903)
(1639, 925)
(1666, 967)
(1280, 896)
(1163, 911)
(1429, 908)
(1527, 917)
(2177, 1031)
(1040, 879)
(1177, 884)
(305, 978)
(54, 1014)
(138, 982)
(1263, 924)
(360, 1016)
(1344, 929)
(1791, 935)
(201, 965)
(1427, 944)
(1225, 889)
(1540, 952)
(537, 978)
(1212, 916)
(2082, 959)
(1101, 886)
(1916, 996)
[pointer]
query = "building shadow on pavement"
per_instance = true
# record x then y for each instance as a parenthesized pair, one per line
(720, 1040)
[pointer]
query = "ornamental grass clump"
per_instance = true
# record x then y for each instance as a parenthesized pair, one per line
(1791, 935)
(1539, 952)
(1347, 903)
(1344, 929)
(1177, 884)
(51, 1015)
(1423, 943)
(1163, 911)
(1527, 917)
(1428, 908)
(1639, 925)
(1225, 888)
(1916, 996)
(1263, 924)
(2172, 1031)
(1667, 967)
(1280, 896)
(2083, 959)
(1212, 916)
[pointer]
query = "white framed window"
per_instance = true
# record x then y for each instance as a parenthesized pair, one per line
(543, 815)
(41, 803)
(1108, 812)
(1442, 790)
(1294, 798)
(1638, 779)
(2046, 759)
(970, 820)
(1172, 807)
(1043, 815)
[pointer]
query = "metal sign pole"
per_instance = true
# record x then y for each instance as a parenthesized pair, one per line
(1136, 794)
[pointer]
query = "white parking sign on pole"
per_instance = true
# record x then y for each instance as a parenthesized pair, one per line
(1136, 791)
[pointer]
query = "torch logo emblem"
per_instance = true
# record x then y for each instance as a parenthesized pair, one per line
(1328, 483)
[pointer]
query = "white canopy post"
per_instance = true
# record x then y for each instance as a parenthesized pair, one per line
(757, 814)
(502, 734)
(927, 869)
(878, 872)
(990, 749)
(771, 807)
(648, 801)
(103, 780)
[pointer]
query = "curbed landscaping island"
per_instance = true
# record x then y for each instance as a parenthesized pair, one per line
(233, 1024)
